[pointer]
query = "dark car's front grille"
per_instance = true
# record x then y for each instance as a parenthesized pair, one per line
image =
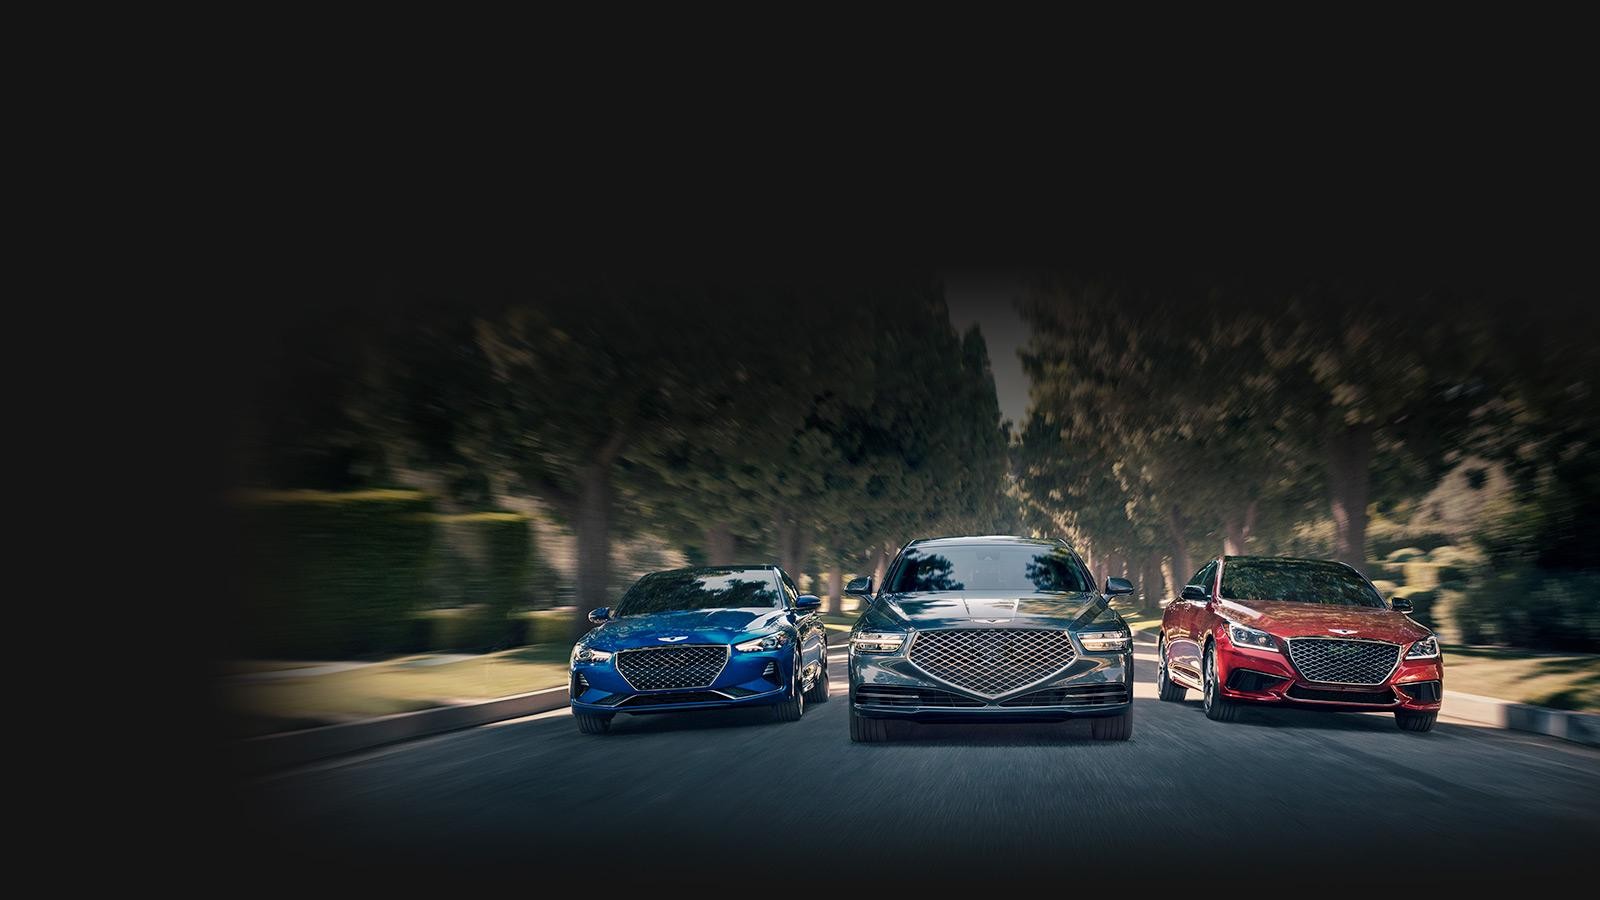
(903, 696)
(1334, 661)
(1083, 695)
(1422, 691)
(992, 661)
(672, 699)
(658, 668)
(1376, 698)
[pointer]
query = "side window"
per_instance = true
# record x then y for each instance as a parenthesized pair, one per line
(1205, 576)
(789, 590)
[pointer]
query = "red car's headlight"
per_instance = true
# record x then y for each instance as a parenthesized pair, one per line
(1251, 637)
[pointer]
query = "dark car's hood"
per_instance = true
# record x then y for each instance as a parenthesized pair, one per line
(696, 626)
(943, 609)
(1318, 619)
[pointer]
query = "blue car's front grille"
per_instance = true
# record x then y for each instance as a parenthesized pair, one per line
(668, 668)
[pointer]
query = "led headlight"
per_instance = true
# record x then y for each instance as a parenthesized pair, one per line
(877, 642)
(1251, 637)
(1427, 648)
(1104, 640)
(766, 642)
(583, 653)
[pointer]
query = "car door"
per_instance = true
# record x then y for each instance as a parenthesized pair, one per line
(1187, 628)
(811, 631)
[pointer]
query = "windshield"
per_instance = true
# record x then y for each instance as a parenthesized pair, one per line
(1296, 581)
(661, 592)
(1018, 568)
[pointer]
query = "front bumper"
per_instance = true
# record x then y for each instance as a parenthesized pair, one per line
(748, 679)
(1262, 676)
(892, 687)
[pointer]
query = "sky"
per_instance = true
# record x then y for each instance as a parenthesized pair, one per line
(988, 298)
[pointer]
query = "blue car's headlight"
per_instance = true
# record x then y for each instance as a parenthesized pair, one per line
(766, 642)
(582, 653)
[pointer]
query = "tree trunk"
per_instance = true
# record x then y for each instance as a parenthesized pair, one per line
(1349, 482)
(798, 554)
(1238, 528)
(836, 585)
(592, 526)
(720, 545)
(1150, 582)
(1181, 569)
(880, 567)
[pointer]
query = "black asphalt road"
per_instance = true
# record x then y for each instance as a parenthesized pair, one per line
(1283, 794)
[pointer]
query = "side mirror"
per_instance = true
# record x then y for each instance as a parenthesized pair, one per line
(807, 603)
(1195, 592)
(1400, 604)
(1118, 586)
(600, 615)
(861, 587)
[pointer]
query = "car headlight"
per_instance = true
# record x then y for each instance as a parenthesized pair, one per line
(583, 653)
(877, 642)
(1104, 640)
(1427, 648)
(766, 642)
(1251, 637)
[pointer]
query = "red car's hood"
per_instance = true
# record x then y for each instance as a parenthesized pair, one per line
(1318, 619)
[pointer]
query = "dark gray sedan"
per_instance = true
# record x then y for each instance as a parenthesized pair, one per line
(989, 629)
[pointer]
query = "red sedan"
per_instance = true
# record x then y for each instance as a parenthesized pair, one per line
(1302, 632)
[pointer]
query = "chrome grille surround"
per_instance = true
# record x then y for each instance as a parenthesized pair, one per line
(672, 668)
(1344, 661)
(991, 662)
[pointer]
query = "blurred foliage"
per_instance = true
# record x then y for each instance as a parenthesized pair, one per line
(333, 575)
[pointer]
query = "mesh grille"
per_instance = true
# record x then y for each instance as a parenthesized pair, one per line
(1379, 698)
(658, 668)
(1333, 661)
(674, 699)
(992, 661)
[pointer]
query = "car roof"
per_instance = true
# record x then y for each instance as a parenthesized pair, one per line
(980, 539)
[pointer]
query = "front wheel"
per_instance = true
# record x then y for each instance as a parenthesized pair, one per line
(819, 690)
(793, 707)
(1112, 728)
(1218, 707)
(589, 723)
(871, 731)
(1166, 688)
(1415, 721)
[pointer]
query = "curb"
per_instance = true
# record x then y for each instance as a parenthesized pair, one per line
(292, 748)
(1579, 727)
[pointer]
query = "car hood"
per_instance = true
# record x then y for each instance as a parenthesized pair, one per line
(1316, 620)
(946, 609)
(696, 626)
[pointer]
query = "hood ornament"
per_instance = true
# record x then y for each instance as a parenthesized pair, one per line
(991, 621)
(674, 640)
(1342, 630)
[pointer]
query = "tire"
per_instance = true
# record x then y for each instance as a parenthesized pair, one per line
(819, 691)
(589, 723)
(1415, 721)
(791, 709)
(1167, 689)
(1112, 728)
(871, 731)
(1218, 708)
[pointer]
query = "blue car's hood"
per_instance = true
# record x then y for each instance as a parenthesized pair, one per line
(698, 626)
(946, 609)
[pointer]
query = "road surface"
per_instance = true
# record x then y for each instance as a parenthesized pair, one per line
(730, 798)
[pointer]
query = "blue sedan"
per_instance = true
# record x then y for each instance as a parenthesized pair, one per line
(710, 637)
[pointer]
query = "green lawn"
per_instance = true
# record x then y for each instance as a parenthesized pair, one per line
(1564, 681)
(398, 685)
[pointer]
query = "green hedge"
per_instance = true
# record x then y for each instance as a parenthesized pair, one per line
(1530, 607)
(332, 575)
(490, 590)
